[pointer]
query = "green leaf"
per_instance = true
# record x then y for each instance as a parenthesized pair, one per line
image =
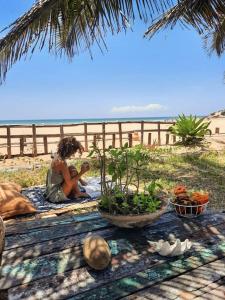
(190, 129)
(90, 154)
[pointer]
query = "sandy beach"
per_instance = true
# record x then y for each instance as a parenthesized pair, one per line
(215, 142)
(78, 131)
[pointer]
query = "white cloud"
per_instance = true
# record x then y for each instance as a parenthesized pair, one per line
(138, 108)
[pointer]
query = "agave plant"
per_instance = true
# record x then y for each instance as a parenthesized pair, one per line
(190, 129)
(69, 26)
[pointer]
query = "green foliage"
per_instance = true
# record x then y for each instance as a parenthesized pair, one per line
(137, 203)
(124, 165)
(148, 201)
(190, 129)
(152, 188)
(121, 169)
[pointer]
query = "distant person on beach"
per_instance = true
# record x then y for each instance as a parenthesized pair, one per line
(62, 180)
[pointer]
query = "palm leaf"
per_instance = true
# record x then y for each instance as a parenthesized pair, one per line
(207, 17)
(70, 26)
(215, 39)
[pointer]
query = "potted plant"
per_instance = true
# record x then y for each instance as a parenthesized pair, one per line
(122, 201)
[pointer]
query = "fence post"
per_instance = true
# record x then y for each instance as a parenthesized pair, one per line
(45, 139)
(95, 140)
(217, 130)
(85, 138)
(142, 132)
(34, 140)
(103, 135)
(9, 153)
(120, 134)
(130, 140)
(22, 146)
(114, 140)
(149, 138)
(159, 134)
(174, 139)
(61, 131)
(167, 139)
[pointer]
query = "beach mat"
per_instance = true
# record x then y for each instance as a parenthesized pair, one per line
(37, 198)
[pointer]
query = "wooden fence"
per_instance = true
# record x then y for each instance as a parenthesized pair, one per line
(33, 140)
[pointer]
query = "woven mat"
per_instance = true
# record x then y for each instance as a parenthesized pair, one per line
(36, 196)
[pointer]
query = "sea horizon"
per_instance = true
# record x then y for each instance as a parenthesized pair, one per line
(82, 120)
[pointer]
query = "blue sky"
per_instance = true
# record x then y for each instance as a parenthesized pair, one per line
(135, 77)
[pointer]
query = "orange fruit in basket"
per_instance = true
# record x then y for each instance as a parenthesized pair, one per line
(180, 189)
(201, 198)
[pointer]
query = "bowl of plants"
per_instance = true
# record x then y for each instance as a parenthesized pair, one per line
(188, 203)
(123, 169)
(133, 210)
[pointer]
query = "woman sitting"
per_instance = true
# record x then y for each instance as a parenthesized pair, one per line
(62, 180)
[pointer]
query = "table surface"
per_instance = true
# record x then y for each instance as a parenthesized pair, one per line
(43, 259)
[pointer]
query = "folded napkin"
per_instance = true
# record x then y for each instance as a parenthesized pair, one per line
(93, 187)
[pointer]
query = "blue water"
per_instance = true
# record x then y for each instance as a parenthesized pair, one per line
(72, 121)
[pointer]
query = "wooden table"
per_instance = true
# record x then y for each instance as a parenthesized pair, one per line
(43, 260)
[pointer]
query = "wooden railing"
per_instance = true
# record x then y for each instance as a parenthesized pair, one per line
(33, 140)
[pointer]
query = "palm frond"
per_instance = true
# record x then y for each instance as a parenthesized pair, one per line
(69, 26)
(207, 17)
(215, 40)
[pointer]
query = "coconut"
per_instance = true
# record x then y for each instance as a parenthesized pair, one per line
(96, 252)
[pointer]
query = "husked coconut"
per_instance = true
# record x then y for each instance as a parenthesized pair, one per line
(96, 252)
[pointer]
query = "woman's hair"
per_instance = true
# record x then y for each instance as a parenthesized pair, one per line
(68, 146)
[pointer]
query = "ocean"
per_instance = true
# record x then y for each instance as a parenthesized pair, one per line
(71, 121)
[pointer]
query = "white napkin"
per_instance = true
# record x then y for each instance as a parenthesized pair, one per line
(93, 187)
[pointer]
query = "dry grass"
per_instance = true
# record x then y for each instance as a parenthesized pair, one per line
(196, 170)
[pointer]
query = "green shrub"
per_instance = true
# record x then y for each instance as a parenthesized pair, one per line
(190, 129)
(120, 170)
